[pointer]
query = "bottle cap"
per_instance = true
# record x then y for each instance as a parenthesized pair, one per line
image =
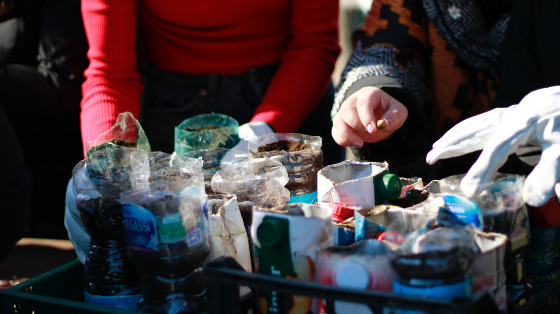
(352, 275)
(270, 232)
(389, 187)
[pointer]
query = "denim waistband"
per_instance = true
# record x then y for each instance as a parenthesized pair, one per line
(202, 80)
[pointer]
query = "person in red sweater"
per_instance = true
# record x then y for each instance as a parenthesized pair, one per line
(266, 64)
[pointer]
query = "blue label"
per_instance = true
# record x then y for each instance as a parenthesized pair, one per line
(194, 237)
(438, 292)
(140, 225)
(464, 209)
(310, 198)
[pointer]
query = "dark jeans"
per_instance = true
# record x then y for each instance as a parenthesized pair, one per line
(169, 98)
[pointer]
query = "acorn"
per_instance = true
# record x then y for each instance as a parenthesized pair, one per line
(381, 123)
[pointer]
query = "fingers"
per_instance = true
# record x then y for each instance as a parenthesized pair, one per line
(356, 121)
(494, 155)
(373, 105)
(467, 136)
(347, 125)
(344, 135)
(459, 147)
(539, 185)
(367, 101)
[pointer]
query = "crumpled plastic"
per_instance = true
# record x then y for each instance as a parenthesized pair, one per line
(256, 182)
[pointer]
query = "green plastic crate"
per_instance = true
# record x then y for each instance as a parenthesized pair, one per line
(60, 290)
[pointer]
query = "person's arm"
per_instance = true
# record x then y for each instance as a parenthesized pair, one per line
(112, 81)
(391, 54)
(307, 66)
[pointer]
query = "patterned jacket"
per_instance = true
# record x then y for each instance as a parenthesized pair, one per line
(440, 58)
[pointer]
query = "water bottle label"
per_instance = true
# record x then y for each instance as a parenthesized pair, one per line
(124, 302)
(171, 229)
(140, 225)
(465, 209)
(194, 237)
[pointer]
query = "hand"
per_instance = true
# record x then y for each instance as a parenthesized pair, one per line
(535, 120)
(355, 122)
(247, 132)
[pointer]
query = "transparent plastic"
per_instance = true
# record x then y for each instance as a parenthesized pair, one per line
(206, 131)
(302, 164)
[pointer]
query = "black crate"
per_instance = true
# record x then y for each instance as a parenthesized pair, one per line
(224, 277)
(57, 291)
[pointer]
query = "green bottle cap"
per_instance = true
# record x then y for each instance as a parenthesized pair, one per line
(270, 232)
(389, 187)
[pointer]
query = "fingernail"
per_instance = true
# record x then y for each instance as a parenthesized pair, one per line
(389, 122)
(369, 128)
(358, 144)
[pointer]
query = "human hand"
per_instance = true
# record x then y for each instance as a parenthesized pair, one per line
(355, 122)
(535, 120)
(247, 131)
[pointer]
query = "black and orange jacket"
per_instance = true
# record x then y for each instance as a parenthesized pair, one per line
(440, 58)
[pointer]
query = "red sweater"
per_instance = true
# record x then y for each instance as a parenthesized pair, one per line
(219, 36)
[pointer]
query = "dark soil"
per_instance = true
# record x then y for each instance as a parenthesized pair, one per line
(283, 145)
(204, 127)
(123, 143)
(413, 197)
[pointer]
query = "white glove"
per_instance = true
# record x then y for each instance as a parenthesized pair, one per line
(247, 132)
(535, 120)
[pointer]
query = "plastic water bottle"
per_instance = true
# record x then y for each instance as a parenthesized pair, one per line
(168, 242)
(111, 279)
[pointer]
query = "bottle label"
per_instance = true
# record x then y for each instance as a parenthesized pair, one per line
(124, 302)
(170, 228)
(464, 209)
(194, 237)
(140, 225)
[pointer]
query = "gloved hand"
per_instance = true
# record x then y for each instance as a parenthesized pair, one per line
(535, 120)
(247, 132)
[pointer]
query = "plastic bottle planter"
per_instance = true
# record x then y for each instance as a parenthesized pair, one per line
(206, 131)
(286, 244)
(256, 182)
(439, 275)
(503, 211)
(300, 154)
(111, 279)
(168, 241)
(351, 185)
(211, 163)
